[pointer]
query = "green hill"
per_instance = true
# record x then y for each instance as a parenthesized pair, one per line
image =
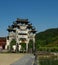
(47, 40)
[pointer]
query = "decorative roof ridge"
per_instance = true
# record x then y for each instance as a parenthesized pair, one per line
(18, 19)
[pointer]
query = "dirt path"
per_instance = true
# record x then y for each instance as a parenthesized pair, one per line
(7, 59)
(28, 59)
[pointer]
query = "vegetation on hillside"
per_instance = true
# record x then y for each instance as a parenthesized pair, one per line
(47, 40)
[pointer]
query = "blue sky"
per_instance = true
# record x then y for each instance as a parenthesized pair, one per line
(43, 14)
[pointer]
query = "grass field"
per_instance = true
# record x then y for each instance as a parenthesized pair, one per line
(48, 59)
(7, 59)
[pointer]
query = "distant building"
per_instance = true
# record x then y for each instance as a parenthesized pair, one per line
(22, 31)
(2, 42)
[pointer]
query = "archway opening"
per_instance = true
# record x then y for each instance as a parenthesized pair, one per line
(23, 47)
(13, 42)
(30, 46)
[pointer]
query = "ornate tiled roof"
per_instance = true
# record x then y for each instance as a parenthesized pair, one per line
(33, 30)
(22, 20)
(10, 28)
(29, 26)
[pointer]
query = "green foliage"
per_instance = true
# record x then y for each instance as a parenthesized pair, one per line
(48, 38)
(30, 44)
(48, 61)
(13, 42)
(23, 46)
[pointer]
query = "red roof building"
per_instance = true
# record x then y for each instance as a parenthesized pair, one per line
(2, 42)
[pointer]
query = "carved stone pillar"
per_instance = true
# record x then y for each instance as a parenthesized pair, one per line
(26, 47)
(33, 44)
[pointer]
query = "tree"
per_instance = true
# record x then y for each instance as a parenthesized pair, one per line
(13, 42)
(30, 45)
(23, 46)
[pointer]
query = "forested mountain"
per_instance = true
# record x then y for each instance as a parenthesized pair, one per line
(47, 39)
